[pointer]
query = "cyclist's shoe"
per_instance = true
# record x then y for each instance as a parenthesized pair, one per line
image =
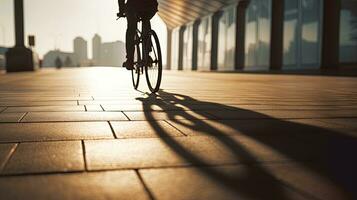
(128, 64)
(150, 61)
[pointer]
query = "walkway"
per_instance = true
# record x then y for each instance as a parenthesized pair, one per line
(86, 134)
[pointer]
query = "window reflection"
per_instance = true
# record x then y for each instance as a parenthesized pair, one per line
(302, 35)
(226, 39)
(204, 43)
(175, 48)
(310, 30)
(258, 34)
(188, 47)
(348, 31)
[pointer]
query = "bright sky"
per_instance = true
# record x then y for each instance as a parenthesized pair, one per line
(55, 23)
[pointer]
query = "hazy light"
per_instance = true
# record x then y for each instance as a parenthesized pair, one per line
(56, 23)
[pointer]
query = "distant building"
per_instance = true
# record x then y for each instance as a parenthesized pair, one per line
(80, 48)
(112, 54)
(2, 57)
(68, 59)
(96, 48)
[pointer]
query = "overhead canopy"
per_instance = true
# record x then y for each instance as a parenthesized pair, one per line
(178, 12)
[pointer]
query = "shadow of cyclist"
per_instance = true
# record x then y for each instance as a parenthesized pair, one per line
(327, 153)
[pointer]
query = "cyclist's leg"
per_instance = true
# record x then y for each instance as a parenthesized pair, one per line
(130, 35)
(146, 17)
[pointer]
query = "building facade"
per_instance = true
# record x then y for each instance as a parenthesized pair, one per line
(228, 35)
(66, 58)
(80, 48)
(112, 54)
(96, 45)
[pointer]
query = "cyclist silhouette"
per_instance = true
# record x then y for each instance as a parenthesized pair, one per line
(133, 10)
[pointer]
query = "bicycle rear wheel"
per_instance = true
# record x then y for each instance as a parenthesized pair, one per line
(153, 65)
(135, 73)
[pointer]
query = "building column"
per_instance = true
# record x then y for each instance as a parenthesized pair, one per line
(195, 44)
(180, 55)
(214, 48)
(331, 35)
(240, 34)
(169, 49)
(277, 34)
(19, 58)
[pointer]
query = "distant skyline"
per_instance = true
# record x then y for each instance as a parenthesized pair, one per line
(56, 23)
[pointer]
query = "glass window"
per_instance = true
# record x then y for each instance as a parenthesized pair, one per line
(175, 48)
(258, 34)
(310, 44)
(302, 34)
(227, 39)
(291, 16)
(204, 44)
(348, 31)
(187, 47)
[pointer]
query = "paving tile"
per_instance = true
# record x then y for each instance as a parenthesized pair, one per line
(225, 183)
(238, 114)
(38, 103)
(211, 127)
(287, 107)
(93, 108)
(270, 140)
(157, 115)
(280, 114)
(136, 107)
(5, 151)
(248, 127)
(97, 186)
(344, 123)
(73, 116)
(44, 109)
(337, 126)
(11, 117)
(151, 152)
(45, 98)
(44, 157)
(310, 179)
(139, 129)
(195, 107)
(111, 102)
(22, 132)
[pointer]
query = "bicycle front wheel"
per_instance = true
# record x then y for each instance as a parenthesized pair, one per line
(153, 66)
(135, 73)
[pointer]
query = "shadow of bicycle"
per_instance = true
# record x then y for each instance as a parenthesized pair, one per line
(327, 153)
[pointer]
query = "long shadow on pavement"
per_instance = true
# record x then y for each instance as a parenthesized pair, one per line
(325, 152)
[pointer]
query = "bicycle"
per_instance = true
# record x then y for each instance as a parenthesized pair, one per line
(147, 57)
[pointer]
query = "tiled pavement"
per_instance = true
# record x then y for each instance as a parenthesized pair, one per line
(86, 134)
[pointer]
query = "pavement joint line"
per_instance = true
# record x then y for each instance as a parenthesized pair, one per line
(186, 166)
(126, 115)
(5, 108)
(84, 155)
(146, 188)
(74, 111)
(22, 117)
(175, 128)
(8, 157)
(268, 118)
(102, 107)
(297, 190)
(112, 129)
